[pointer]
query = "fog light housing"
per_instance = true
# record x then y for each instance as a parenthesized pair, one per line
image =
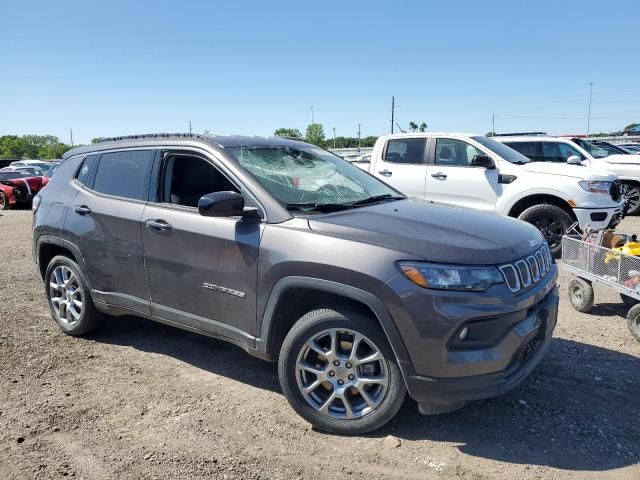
(599, 216)
(463, 333)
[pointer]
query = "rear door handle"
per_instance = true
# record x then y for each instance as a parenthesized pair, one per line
(82, 210)
(385, 173)
(158, 225)
(439, 175)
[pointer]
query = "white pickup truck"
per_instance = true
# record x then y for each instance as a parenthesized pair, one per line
(579, 153)
(474, 171)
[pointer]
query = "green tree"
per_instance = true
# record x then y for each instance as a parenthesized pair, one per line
(98, 140)
(422, 127)
(288, 132)
(315, 134)
(413, 126)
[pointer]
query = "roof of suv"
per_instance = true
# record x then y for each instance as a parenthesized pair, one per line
(153, 139)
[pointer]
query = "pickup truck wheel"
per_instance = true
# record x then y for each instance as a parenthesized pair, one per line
(68, 297)
(4, 201)
(631, 194)
(552, 221)
(337, 370)
(581, 294)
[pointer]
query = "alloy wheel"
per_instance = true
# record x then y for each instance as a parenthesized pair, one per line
(631, 194)
(342, 374)
(66, 295)
(551, 229)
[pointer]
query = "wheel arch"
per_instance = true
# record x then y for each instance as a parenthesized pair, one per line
(538, 199)
(292, 297)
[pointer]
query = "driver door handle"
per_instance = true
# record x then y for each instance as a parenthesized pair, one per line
(385, 173)
(439, 175)
(158, 225)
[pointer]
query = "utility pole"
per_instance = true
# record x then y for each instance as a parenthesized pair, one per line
(71, 135)
(311, 115)
(493, 124)
(393, 107)
(589, 113)
(359, 125)
(189, 127)
(334, 137)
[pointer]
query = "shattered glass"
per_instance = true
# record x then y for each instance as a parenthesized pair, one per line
(304, 175)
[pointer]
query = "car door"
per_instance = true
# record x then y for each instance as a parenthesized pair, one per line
(403, 165)
(201, 271)
(104, 223)
(452, 180)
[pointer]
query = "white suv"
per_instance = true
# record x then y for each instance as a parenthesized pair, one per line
(582, 153)
(474, 171)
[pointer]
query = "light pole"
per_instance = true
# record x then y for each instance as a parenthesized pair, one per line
(334, 137)
(359, 125)
(311, 115)
(589, 112)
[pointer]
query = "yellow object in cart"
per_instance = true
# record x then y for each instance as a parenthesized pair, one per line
(631, 248)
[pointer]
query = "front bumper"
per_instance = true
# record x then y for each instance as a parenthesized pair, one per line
(529, 339)
(599, 218)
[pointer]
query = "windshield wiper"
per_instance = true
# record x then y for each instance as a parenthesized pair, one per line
(375, 199)
(310, 206)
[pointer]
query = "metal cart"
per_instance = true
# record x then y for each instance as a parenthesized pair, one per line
(593, 264)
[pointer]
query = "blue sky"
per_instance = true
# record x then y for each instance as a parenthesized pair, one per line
(123, 67)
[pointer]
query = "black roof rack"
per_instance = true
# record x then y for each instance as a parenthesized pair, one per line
(155, 135)
(521, 134)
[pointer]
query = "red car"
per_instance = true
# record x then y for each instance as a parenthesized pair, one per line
(19, 187)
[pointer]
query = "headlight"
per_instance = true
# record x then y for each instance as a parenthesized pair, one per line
(596, 187)
(451, 277)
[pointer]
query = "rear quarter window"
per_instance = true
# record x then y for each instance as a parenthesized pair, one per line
(405, 150)
(86, 170)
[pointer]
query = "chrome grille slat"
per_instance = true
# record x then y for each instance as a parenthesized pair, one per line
(525, 272)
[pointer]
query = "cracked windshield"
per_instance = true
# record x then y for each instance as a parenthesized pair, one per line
(307, 178)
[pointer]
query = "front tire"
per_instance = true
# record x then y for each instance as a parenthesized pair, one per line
(68, 296)
(631, 193)
(552, 221)
(4, 201)
(338, 372)
(581, 294)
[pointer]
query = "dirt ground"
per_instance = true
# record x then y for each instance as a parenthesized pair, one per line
(142, 400)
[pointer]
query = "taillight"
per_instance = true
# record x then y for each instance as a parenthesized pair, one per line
(35, 203)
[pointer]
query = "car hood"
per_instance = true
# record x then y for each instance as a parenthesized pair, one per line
(566, 170)
(434, 233)
(623, 159)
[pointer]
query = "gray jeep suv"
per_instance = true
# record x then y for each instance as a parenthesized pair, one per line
(297, 256)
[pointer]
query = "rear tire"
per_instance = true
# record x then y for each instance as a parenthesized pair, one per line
(4, 202)
(69, 299)
(581, 294)
(633, 321)
(552, 221)
(350, 396)
(631, 193)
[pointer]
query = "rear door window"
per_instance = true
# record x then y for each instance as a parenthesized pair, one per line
(405, 150)
(124, 174)
(531, 150)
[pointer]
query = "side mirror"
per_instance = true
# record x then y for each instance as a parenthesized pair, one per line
(574, 160)
(221, 204)
(482, 161)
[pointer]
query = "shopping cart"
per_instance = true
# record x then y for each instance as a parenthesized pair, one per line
(593, 264)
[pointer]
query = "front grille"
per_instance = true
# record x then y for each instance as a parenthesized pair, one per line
(615, 191)
(527, 271)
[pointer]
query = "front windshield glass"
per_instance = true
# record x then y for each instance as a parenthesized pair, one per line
(308, 176)
(508, 153)
(594, 150)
